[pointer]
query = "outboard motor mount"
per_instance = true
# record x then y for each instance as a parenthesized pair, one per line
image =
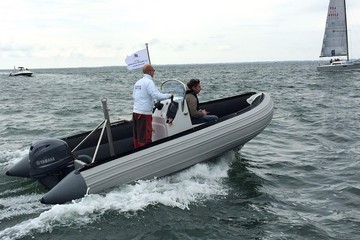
(50, 160)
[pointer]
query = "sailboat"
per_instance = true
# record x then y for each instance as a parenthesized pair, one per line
(335, 42)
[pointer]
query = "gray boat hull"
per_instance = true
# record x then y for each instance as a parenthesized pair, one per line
(165, 157)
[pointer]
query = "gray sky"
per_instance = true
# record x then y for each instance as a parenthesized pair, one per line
(89, 33)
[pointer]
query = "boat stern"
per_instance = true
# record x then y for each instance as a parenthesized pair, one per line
(73, 186)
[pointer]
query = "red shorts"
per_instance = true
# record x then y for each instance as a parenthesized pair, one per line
(142, 129)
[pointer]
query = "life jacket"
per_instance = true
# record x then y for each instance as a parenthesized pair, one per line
(189, 91)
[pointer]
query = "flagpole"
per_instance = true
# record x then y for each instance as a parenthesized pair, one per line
(147, 50)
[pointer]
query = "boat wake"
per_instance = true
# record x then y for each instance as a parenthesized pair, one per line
(192, 186)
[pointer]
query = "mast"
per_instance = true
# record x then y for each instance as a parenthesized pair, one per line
(147, 50)
(346, 33)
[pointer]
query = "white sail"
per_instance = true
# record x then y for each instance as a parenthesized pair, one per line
(335, 37)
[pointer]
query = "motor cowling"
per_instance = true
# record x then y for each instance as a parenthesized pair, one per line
(49, 157)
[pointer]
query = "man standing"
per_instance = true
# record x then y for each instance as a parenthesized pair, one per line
(144, 93)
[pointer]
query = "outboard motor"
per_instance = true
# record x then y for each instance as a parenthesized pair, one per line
(50, 161)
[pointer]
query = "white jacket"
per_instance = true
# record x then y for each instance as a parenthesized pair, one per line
(144, 94)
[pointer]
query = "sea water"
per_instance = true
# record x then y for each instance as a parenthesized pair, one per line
(298, 179)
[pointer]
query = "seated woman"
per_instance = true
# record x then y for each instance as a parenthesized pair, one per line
(197, 115)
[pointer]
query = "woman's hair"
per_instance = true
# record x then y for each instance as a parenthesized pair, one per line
(192, 83)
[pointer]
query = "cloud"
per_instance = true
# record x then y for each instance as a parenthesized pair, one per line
(47, 33)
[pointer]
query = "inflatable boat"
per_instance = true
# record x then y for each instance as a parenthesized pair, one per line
(91, 162)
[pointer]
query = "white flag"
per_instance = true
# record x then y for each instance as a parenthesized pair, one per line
(137, 60)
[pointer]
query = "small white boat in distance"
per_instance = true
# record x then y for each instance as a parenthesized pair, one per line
(21, 71)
